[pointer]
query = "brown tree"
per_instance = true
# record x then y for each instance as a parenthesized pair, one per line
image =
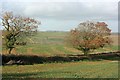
(89, 36)
(15, 27)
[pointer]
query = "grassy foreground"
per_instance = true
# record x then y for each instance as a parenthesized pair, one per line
(81, 69)
(51, 44)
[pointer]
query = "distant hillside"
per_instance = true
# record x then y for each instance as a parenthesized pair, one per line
(115, 37)
(57, 37)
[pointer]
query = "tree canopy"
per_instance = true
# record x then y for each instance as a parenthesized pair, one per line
(15, 27)
(89, 36)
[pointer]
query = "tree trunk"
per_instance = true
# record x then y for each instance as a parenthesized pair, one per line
(85, 53)
(9, 51)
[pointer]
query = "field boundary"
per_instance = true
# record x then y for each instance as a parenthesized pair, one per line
(34, 59)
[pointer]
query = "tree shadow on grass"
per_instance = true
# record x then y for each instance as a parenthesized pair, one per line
(34, 59)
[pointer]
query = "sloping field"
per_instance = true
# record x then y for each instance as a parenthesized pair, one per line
(53, 43)
(115, 37)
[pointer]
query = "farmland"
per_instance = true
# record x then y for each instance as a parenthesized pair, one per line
(53, 44)
(84, 69)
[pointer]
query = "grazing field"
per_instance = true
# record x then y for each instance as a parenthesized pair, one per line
(83, 69)
(53, 44)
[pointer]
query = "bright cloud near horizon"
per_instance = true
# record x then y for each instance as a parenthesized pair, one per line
(64, 15)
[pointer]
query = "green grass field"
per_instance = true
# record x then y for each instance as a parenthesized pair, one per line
(51, 44)
(83, 69)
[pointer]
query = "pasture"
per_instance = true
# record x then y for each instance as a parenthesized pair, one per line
(53, 44)
(81, 69)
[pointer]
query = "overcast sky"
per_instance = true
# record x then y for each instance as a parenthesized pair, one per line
(64, 15)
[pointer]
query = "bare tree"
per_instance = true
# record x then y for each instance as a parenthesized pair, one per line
(15, 27)
(89, 36)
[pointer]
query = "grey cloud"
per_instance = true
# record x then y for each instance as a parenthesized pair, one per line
(72, 10)
(65, 10)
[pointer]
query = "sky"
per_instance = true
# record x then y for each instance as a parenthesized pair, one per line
(64, 15)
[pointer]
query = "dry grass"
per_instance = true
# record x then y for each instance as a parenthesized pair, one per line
(115, 38)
